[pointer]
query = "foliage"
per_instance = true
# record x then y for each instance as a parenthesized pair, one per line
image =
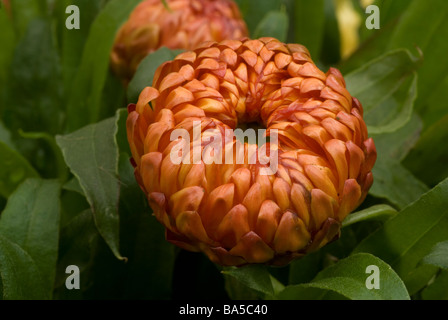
(68, 195)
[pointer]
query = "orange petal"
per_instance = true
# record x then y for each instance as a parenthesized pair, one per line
(178, 96)
(337, 130)
(337, 151)
(267, 220)
(241, 179)
(190, 225)
(187, 199)
(323, 179)
(150, 171)
(169, 172)
(252, 201)
(148, 94)
(195, 176)
(322, 208)
(356, 159)
(311, 70)
(282, 191)
(233, 226)
(252, 249)
(300, 199)
(350, 198)
(219, 203)
(291, 235)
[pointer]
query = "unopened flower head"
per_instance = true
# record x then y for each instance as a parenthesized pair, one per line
(217, 191)
(180, 24)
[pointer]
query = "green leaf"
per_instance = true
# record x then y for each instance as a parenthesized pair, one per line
(34, 90)
(31, 220)
(254, 11)
(274, 24)
(73, 185)
(85, 98)
(61, 168)
(428, 159)
(255, 277)
(384, 89)
(429, 40)
(5, 136)
(91, 154)
(396, 145)
(309, 24)
(438, 289)
(19, 275)
(432, 111)
(8, 44)
(74, 40)
(151, 258)
(379, 212)
(79, 238)
(24, 11)
(14, 169)
(348, 278)
(146, 70)
(331, 44)
(438, 256)
(397, 184)
(151, 261)
(406, 238)
(391, 180)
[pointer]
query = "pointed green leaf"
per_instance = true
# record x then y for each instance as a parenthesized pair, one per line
(410, 235)
(19, 276)
(438, 256)
(309, 24)
(438, 289)
(14, 169)
(146, 70)
(274, 24)
(33, 96)
(31, 220)
(428, 159)
(91, 154)
(255, 277)
(392, 181)
(381, 212)
(85, 98)
(385, 90)
(348, 279)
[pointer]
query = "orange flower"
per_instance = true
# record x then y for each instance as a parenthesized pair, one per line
(230, 211)
(183, 25)
(7, 5)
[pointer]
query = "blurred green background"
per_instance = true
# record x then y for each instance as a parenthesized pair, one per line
(68, 195)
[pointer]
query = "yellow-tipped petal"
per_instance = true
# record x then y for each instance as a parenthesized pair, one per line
(233, 226)
(322, 208)
(282, 193)
(150, 171)
(300, 200)
(219, 202)
(337, 152)
(267, 221)
(350, 198)
(187, 199)
(291, 235)
(189, 224)
(253, 249)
